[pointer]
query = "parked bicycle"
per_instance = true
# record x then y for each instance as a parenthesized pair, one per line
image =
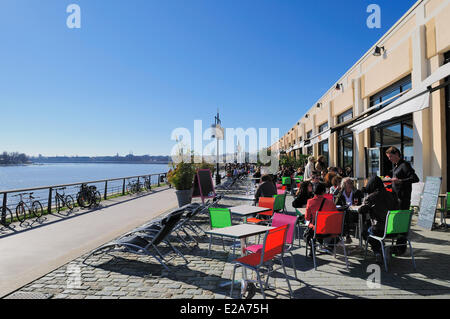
(61, 200)
(88, 196)
(148, 184)
(134, 187)
(8, 216)
(33, 207)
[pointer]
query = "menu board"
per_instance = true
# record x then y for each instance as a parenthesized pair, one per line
(203, 184)
(416, 195)
(428, 204)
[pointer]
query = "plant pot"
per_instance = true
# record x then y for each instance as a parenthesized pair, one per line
(184, 197)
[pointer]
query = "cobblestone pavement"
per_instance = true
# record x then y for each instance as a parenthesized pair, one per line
(131, 276)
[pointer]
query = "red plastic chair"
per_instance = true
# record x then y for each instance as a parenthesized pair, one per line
(273, 248)
(328, 225)
(279, 220)
(266, 202)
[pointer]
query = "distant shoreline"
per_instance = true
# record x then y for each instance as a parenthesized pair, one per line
(73, 162)
(101, 162)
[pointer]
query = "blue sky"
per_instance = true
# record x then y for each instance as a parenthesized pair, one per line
(137, 69)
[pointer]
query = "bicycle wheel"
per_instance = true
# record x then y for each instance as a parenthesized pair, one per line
(98, 198)
(21, 213)
(130, 189)
(83, 200)
(70, 203)
(8, 217)
(37, 209)
(58, 204)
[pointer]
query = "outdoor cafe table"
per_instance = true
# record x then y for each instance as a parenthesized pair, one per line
(240, 232)
(247, 210)
(360, 223)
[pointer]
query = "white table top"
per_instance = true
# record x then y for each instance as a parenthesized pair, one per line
(244, 210)
(240, 231)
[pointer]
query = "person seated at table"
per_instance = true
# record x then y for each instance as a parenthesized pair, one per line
(335, 185)
(257, 175)
(348, 195)
(304, 193)
(377, 204)
(328, 178)
(266, 189)
(298, 173)
(315, 180)
(315, 204)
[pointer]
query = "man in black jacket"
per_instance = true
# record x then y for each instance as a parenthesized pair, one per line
(403, 176)
(266, 189)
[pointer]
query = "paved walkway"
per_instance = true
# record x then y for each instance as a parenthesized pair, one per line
(131, 276)
(31, 253)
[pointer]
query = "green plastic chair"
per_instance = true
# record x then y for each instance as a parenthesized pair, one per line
(447, 208)
(397, 223)
(219, 218)
(280, 203)
(286, 181)
(299, 179)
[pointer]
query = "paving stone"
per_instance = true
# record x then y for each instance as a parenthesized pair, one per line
(130, 276)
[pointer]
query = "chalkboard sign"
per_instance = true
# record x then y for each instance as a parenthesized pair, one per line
(203, 185)
(416, 195)
(428, 204)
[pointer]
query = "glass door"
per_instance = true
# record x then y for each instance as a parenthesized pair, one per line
(373, 162)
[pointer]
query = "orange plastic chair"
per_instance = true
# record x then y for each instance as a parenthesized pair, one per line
(266, 202)
(328, 225)
(273, 248)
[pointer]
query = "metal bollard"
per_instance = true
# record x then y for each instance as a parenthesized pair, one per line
(49, 208)
(4, 209)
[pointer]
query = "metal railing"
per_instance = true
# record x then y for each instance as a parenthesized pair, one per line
(45, 194)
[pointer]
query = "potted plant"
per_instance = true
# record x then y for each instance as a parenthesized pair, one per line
(182, 178)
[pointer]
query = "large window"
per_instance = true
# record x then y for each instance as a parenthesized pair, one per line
(309, 134)
(345, 142)
(393, 90)
(346, 116)
(323, 127)
(398, 133)
(324, 150)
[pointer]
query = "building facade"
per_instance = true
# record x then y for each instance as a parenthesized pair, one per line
(397, 94)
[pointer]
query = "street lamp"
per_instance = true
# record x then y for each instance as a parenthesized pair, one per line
(219, 136)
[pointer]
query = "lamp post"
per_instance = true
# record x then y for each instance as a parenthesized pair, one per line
(218, 135)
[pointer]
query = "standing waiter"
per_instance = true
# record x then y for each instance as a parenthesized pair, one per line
(403, 176)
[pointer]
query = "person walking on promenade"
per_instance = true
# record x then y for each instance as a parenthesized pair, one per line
(309, 169)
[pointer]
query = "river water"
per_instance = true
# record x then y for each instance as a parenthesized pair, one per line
(19, 177)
